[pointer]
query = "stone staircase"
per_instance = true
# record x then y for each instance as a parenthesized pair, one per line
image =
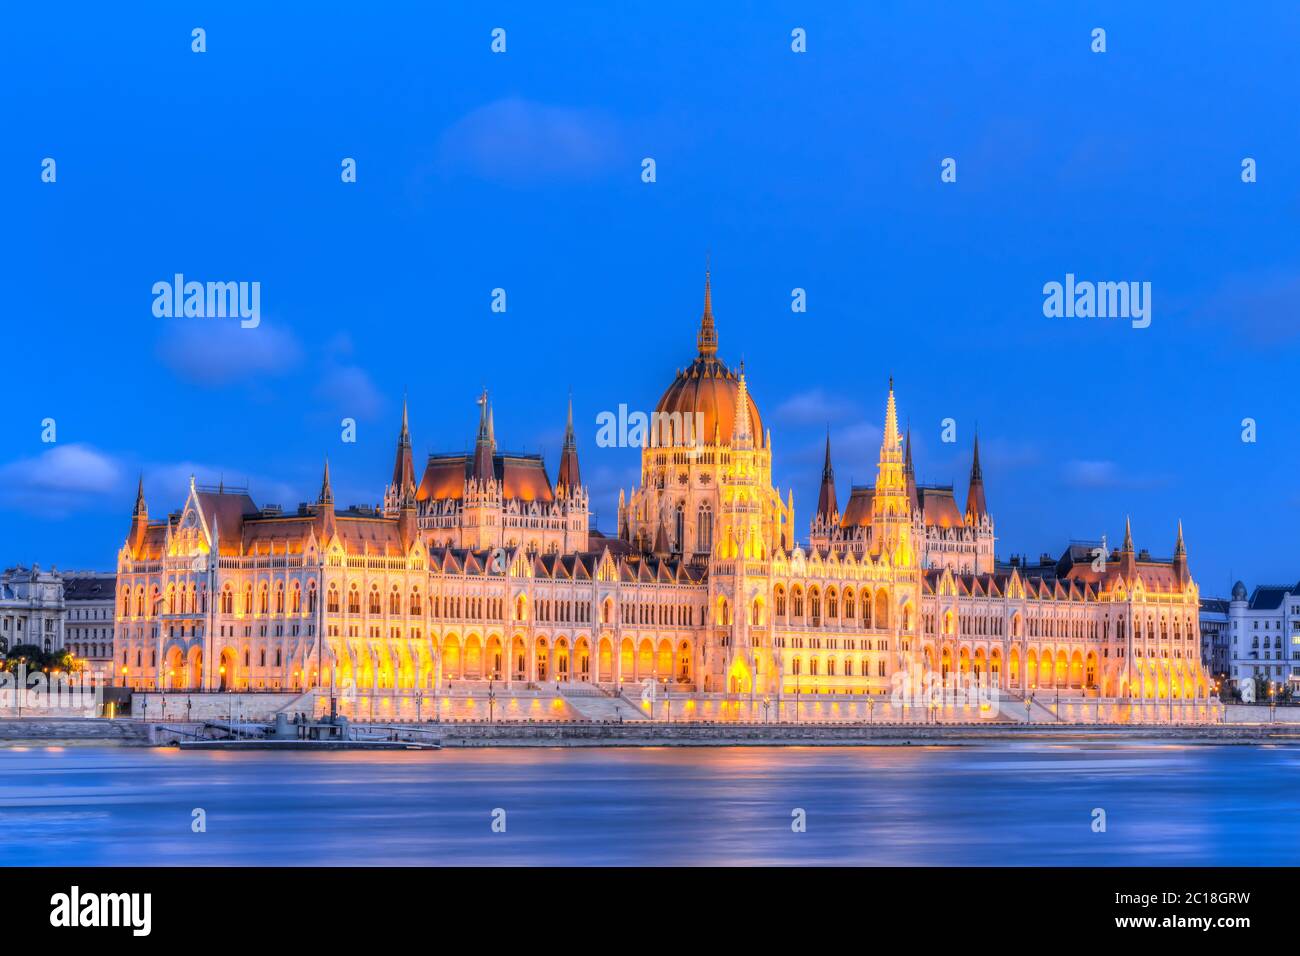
(602, 706)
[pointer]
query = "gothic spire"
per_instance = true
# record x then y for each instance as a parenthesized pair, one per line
(483, 446)
(569, 478)
(326, 491)
(140, 507)
(1180, 557)
(708, 335)
(1128, 535)
(404, 466)
(889, 443)
(742, 433)
(827, 507)
(976, 507)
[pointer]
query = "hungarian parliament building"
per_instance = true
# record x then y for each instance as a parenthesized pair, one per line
(482, 569)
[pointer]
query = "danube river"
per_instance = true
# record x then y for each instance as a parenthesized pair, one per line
(985, 804)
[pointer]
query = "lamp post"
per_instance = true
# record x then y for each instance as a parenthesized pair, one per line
(492, 696)
(871, 703)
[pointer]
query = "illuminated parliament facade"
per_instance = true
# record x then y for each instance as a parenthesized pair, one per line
(481, 568)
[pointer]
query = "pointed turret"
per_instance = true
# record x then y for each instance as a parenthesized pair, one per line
(1180, 557)
(483, 445)
(742, 433)
(976, 507)
(326, 526)
(707, 340)
(139, 520)
(326, 489)
(909, 472)
(891, 509)
(569, 480)
(1127, 559)
(889, 442)
(661, 537)
(403, 467)
(827, 507)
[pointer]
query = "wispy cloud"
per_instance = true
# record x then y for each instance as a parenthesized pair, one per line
(515, 140)
(348, 390)
(1259, 309)
(814, 407)
(63, 479)
(1100, 474)
(212, 353)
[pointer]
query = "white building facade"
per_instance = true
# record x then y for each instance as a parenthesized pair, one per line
(31, 608)
(1264, 634)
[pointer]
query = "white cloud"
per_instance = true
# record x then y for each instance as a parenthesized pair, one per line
(213, 352)
(64, 478)
(516, 140)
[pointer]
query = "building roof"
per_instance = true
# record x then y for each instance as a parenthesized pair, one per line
(522, 477)
(857, 512)
(939, 507)
(96, 586)
(1269, 597)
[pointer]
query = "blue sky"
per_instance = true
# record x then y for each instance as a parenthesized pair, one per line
(522, 171)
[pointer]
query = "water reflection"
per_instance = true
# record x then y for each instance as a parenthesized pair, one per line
(1007, 803)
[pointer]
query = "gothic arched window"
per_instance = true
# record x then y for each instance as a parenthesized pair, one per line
(704, 529)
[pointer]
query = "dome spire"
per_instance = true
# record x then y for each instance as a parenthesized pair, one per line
(708, 336)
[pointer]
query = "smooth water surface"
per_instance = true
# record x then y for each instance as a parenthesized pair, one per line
(986, 804)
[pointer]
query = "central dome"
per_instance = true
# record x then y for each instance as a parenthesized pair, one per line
(708, 388)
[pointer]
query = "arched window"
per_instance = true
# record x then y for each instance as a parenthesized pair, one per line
(679, 528)
(295, 598)
(848, 606)
(704, 529)
(798, 602)
(354, 600)
(780, 602)
(262, 599)
(832, 605)
(279, 598)
(395, 601)
(311, 598)
(815, 603)
(416, 606)
(374, 599)
(227, 600)
(332, 600)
